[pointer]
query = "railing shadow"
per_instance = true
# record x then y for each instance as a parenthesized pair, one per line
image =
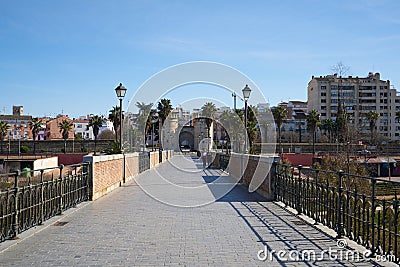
(278, 230)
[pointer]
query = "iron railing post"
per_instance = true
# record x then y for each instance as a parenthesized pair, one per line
(15, 224)
(41, 198)
(317, 207)
(298, 198)
(373, 208)
(60, 200)
(275, 177)
(339, 204)
(396, 229)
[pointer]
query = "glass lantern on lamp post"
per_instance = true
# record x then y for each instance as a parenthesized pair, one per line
(246, 95)
(120, 91)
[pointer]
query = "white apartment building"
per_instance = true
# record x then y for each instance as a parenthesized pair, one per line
(357, 95)
(81, 127)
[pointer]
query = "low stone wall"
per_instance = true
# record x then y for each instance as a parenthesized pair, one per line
(46, 163)
(111, 171)
(253, 168)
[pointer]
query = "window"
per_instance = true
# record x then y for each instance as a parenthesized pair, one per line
(323, 100)
(323, 87)
(323, 107)
(323, 114)
(333, 101)
(323, 94)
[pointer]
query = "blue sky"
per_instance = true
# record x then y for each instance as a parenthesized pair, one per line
(70, 55)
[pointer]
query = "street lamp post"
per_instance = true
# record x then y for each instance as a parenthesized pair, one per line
(120, 91)
(234, 101)
(246, 94)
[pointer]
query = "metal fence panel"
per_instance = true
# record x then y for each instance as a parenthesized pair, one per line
(35, 196)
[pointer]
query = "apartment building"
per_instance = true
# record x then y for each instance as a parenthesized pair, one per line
(53, 129)
(81, 127)
(19, 124)
(294, 126)
(358, 95)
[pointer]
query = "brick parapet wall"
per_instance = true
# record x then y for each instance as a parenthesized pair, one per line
(248, 168)
(110, 171)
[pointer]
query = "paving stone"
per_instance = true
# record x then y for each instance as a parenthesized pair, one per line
(130, 228)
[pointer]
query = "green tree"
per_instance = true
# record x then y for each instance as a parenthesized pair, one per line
(207, 111)
(233, 126)
(313, 121)
(35, 125)
(164, 108)
(372, 117)
(113, 116)
(143, 121)
(3, 133)
(252, 133)
(65, 126)
(328, 125)
(279, 114)
(143, 107)
(95, 122)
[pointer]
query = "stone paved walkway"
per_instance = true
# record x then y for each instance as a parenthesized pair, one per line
(129, 228)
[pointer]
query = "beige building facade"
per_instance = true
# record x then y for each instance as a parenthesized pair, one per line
(358, 95)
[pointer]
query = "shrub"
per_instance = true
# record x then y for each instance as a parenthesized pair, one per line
(24, 149)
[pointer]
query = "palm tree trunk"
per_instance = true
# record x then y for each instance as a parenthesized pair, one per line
(313, 143)
(1, 145)
(95, 145)
(279, 139)
(65, 146)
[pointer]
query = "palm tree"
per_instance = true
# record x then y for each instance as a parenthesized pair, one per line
(233, 126)
(35, 125)
(208, 110)
(342, 123)
(65, 126)
(372, 117)
(279, 114)
(252, 133)
(114, 117)
(95, 122)
(164, 108)
(328, 125)
(3, 133)
(143, 107)
(313, 121)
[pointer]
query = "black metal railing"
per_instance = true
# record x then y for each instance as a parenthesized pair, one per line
(144, 161)
(364, 209)
(29, 198)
